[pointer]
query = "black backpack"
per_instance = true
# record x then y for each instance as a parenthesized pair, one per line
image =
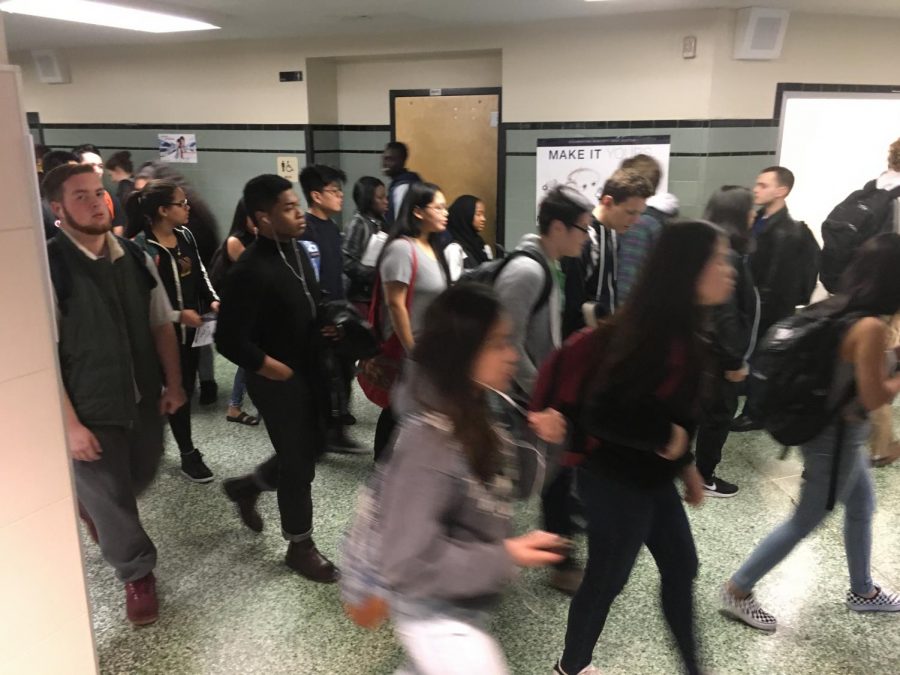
(808, 263)
(862, 215)
(488, 272)
(794, 372)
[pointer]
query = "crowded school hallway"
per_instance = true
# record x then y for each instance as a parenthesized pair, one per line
(232, 606)
(437, 339)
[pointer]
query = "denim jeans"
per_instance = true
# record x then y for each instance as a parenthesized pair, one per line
(441, 639)
(854, 489)
(621, 519)
(238, 389)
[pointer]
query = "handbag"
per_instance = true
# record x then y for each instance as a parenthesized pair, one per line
(378, 374)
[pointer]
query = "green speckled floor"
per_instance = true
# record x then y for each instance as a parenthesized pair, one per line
(229, 605)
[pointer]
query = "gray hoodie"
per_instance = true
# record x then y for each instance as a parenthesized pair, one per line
(535, 333)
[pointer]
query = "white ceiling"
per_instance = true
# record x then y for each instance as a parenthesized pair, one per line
(287, 18)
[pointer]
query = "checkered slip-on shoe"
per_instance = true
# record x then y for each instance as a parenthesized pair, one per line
(882, 601)
(747, 610)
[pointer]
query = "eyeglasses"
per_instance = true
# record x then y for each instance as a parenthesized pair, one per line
(583, 229)
(183, 203)
(439, 209)
(334, 191)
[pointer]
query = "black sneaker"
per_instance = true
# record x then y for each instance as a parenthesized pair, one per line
(209, 392)
(745, 423)
(720, 488)
(348, 420)
(339, 442)
(193, 468)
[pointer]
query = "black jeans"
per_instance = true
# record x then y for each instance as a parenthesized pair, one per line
(294, 428)
(622, 518)
(384, 429)
(556, 502)
(715, 427)
(180, 420)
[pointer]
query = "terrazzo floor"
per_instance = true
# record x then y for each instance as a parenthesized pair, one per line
(229, 605)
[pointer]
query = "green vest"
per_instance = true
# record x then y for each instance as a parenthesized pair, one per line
(106, 348)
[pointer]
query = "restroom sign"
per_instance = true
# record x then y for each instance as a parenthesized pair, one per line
(289, 168)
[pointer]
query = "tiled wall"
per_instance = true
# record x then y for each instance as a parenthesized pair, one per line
(228, 155)
(705, 155)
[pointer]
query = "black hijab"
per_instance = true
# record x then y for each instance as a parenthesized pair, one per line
(459, 225)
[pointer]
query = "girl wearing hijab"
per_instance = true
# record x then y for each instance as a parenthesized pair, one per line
(465, 224)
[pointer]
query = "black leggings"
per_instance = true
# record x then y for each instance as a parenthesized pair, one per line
(718, 413)
(180, 420)
(621, 519)
(383, 431)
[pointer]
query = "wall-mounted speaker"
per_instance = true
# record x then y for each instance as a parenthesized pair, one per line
(760, 32)
(51, 67)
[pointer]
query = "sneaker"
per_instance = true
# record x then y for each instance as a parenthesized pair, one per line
(747, 610)
(720, 488)
(567, 577)
(745, 423)
(882, 601)
(141, 603)
(590, 670)
(244, 493)
(193, 468)
(339, 442)
(348, 420)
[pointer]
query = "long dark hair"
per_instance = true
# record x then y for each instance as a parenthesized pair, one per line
(142, 206)
(728, 208)
(239, 221)
(459, 226)
(419, 195)
(872, 280)
(457, 324)
(364, 196)
(661, 316)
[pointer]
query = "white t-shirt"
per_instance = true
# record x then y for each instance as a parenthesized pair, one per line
(456, 257)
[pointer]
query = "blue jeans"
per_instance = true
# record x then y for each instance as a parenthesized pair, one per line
(854, 489)
(239, 388)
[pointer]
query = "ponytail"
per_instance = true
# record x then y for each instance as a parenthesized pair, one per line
(142, 206)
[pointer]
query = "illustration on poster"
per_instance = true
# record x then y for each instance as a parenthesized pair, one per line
(584, 164)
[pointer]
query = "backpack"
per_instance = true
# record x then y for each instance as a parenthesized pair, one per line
(218, 267)
(808, 263)
(795, 369)
(487, 273)
(862, 215)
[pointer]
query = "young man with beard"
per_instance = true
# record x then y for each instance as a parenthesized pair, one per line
(115, 331)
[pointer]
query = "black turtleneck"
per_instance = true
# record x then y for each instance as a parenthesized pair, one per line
(269, 308)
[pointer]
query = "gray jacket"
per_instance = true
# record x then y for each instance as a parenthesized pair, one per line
(535, 333)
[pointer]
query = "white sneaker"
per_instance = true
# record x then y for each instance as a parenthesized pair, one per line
(747, 610)
(882, 601)
(590, 670)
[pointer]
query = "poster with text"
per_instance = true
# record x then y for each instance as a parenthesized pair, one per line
(584, 164)
(180, 148)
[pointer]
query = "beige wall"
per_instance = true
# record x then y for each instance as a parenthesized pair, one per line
(363, 83)
(321, 90)
(627, 67)
(45, 625)
(818, 48)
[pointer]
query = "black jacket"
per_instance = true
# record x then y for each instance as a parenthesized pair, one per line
(591, 278)
(736, 323)
(326, 235)
(356, 239)
(774, 268)
(269, 308)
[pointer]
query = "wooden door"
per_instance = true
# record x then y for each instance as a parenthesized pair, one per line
(452, 142)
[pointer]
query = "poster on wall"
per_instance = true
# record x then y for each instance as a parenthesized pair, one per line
(585, 163)
(181, 148)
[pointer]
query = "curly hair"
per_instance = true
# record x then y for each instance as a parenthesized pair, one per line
(894, 156)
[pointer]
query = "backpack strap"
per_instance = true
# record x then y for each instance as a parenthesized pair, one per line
(140, 258)
(548, 275)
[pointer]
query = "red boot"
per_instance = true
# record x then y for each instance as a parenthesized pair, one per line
(141, 603)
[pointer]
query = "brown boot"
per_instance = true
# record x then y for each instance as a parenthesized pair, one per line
(304, 557)
(141, 603)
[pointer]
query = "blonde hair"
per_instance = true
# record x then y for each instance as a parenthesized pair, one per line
(894, 156)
